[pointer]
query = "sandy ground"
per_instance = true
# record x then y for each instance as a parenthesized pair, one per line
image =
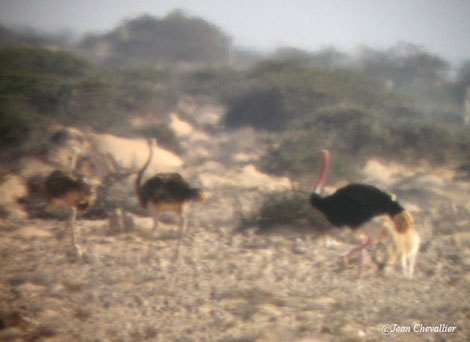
(237, 287)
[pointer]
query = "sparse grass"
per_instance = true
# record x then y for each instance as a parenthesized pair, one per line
(42, 279)
(285, 209)
(7, 227)
(248, 337)
(73, 287)
(252, 299)
(304, 328)
(150, 332)
(136, 336)
(144, 234)
(18, 280)
(169, 234)
(210, 256)
(114, 228)
(244, 310)
(135, 230)
(41, 333)
(228, 303)
(253, 296)
(82, 314)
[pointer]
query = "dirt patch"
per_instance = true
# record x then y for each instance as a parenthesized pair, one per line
(227, 286)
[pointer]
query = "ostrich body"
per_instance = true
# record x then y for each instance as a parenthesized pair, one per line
(166, 192)
(355, 205)
(65, 191)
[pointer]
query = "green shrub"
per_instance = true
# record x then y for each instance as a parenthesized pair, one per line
(57, 86)
(355, 135)
(40, 87)
(13, 128)
(260, 108)
(38, 60)
(176, 38)
(300, 156)
(435, 142)
(18, 122)
(275, 94)
(220, 83)
(350, 134)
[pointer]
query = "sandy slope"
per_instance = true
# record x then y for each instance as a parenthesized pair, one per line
(235, 287)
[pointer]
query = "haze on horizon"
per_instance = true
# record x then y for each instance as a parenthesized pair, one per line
(439, 26)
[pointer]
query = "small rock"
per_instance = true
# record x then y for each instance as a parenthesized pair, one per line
(139, 300)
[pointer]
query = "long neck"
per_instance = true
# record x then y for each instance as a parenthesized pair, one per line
(138, 179)
(73, 159)
(323, 172)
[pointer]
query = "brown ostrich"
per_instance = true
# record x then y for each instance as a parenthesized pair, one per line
(355, 205)
(63, 190)
(166, 192)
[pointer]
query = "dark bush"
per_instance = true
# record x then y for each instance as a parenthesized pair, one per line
(425, 140)
(290, 209)
(349, 133)
(38, 60)
(13, 128)
(261, 108)
(354, 136)
(149, 41)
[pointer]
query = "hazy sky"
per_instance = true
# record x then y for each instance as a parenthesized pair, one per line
(440, 26)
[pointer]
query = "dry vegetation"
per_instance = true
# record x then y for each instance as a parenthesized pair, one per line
(281, 285)
(259, 264)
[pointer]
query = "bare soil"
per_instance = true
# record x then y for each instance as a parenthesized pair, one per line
(237, 287)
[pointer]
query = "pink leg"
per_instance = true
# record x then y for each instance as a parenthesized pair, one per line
(351, 253)
(149, 247)
(365, 242)
(70, 223)
(182, 228)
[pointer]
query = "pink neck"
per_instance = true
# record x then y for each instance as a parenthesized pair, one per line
(325, 155)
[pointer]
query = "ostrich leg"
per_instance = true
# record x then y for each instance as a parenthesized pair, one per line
(150, 244)
(182, 229)
(71, 225)
(362, 249)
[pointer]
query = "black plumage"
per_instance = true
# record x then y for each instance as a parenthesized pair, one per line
(167, 188)
(165, 192)
(355, 204)
(59, 185)
(63, 190)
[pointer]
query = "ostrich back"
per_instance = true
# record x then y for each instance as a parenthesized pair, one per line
(355, 204)
(167, 188)
(58, 185)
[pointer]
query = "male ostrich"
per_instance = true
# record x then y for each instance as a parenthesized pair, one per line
(166, 192)
(64, 191)
(356, 204)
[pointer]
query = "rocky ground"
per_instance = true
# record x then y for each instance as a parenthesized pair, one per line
(236, 287)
